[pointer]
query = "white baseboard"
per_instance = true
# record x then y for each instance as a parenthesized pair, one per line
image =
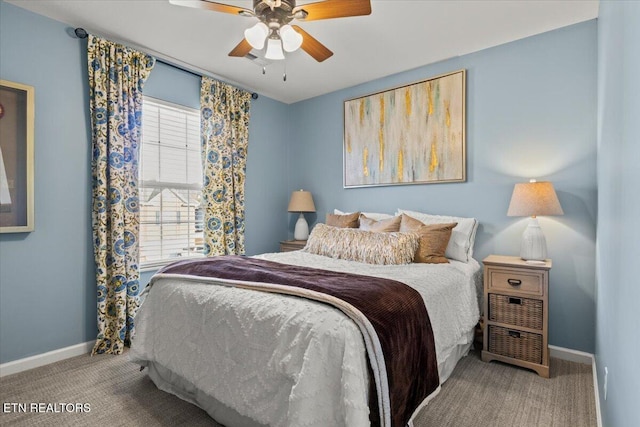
(596, 391)
(38, 360)
(587, 359)
(570, 355)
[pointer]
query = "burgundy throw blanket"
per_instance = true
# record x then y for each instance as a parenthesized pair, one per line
(396, 312)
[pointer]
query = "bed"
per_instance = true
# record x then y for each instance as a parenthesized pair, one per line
(252, 358)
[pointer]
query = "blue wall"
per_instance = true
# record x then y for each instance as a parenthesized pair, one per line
(531, 113)
(47, 283)
(618, 245)
(173, 85)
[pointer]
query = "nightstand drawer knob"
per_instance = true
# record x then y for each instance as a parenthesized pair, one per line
(515, 300)
(514, 334)
(514, 282)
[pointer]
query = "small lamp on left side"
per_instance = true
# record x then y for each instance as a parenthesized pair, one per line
(301, 201)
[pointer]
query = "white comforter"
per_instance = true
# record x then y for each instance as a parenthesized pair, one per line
(283, 360)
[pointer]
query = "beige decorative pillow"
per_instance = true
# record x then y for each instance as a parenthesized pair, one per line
(433, 239)
(384, 225)
(344, 221)
(363, 246)
(463, 235)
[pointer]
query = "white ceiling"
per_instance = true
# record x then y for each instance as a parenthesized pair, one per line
(397, 36)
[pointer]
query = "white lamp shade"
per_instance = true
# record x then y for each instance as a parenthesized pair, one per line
(291, 39)
(274, 49)
(534, 198)
(257, 35)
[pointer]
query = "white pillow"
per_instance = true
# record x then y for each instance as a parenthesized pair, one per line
(463, 235)
(372, 215)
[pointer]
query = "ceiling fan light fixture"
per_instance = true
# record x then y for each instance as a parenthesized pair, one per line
(275, 15)
(273, 3)
(291, 39)
(274, 49)
(257, 35)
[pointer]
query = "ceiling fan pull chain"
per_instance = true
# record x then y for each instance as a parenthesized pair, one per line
(264, 70)
(284, 76)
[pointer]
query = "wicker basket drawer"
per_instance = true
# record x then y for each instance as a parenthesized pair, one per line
(516, 311)
(516, 344)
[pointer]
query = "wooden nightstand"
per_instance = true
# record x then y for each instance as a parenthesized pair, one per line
(292, 245)
(516, 312)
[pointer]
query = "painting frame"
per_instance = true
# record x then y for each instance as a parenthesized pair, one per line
(17, 120)
(392, 118)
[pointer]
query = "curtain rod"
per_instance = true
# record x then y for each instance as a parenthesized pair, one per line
(81, 33)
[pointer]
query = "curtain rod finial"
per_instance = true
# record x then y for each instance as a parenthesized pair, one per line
(81, 33)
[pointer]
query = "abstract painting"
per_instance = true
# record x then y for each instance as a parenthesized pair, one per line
(16, 157)
(413, 134)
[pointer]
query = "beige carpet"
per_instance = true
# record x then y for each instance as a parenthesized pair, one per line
(477, 394)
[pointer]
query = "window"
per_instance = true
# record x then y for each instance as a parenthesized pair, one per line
(171, 219)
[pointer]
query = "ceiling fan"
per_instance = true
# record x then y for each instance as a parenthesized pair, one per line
(274, 29)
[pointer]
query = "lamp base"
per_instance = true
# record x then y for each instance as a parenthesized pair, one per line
(302, 228)
(533, 246)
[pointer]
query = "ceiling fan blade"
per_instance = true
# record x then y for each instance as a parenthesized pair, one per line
(213, 6)
(329, 9)
(241, 49)
(312, 46)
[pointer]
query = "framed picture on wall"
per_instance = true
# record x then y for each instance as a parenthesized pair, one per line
(16, 157)
(412, 134)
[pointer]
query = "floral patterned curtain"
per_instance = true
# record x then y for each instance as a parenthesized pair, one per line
(116, 76)
(225, 137)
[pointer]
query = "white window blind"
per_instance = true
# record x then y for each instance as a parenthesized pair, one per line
(171, 220)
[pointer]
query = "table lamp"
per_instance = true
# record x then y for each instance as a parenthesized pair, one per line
(301, 201)
(532, 199)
